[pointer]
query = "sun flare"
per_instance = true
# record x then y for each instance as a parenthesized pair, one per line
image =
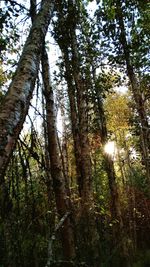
(110, 148)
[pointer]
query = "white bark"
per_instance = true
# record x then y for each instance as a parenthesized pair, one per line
(16, 103)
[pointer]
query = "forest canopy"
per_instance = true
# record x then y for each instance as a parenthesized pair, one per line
(74, 133)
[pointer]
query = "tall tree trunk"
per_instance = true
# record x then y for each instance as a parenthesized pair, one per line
(62, 29)
(145, 128)
(64, 145)
(119, 235)
(80, 83)
(48, 180)
(62, 203)
(77, 97)
(16, 102)
(109, 164)
(73, 115)
(89, 229)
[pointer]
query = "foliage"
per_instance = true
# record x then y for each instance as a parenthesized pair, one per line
(29, 214)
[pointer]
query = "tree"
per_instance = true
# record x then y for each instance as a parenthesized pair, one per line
(120, 26)
(62, 203)
(66, 25)
(136, 89)
(59, 186)
(16, 102)
(64, 200)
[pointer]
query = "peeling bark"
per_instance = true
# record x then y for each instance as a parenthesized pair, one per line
(16, 102)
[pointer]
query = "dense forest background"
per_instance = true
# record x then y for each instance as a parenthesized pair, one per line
(74, 133)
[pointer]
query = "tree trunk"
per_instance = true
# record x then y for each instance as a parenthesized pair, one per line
(62, 203)
(88, 224)
(77, 93)
(145, 128)
(64, 147)
(74, 118)
(80, 83)
(62, 29)
(16, 103)
(109, 165)
(118, 231)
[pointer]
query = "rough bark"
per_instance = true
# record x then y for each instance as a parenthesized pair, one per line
(33, 10)
(62, 203)
(88, 224)
(77, 93)
(63, 29)
(86, 181)
(16, 103)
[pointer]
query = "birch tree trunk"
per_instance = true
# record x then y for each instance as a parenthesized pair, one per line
(16, 102)
(62, 202)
